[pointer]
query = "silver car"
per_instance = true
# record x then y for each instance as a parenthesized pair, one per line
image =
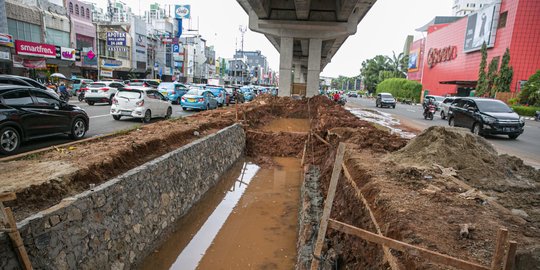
(445, 106)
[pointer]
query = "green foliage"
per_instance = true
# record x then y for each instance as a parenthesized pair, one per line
(512, 101)
(345, 83)
(371, 69)
(399, 65)
(506, 74)
(492, 75)
(482, 85)
(530, 93)
(401, 88)
(525, 110)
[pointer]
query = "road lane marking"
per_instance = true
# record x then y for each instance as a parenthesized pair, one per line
(98, 116)
(411, 110)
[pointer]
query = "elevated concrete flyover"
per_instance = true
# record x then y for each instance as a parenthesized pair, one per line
(306, 33)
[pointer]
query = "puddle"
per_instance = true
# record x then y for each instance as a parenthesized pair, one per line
(381, 118)
(248, 221)
(288, 125)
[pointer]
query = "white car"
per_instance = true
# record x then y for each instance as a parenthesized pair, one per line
(140, 102)
(102, 92)
(445, 106)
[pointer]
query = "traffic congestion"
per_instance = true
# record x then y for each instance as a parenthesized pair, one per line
(32, 111)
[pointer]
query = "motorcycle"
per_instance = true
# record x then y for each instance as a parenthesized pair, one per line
(429, 111)
(537, 116)
(64, 96)
(81, 92)
(341, 101)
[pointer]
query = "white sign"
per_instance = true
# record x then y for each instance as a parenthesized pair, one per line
(106, 73)
(182, 11)
(67, 54)
(5, 55)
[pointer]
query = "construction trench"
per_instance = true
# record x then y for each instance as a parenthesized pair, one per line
(246, 189)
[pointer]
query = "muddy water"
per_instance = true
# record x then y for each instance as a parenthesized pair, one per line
(248, 221)
(288, 125)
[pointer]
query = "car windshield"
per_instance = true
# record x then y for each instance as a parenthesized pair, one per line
(494, 106)
(168, 86)
(76, 81)
(438, 98)
(98, 85)
(194, 92)
(136, 84)
(387, 96)
(132, 94)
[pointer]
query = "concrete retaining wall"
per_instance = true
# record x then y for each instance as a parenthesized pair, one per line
(118, 223)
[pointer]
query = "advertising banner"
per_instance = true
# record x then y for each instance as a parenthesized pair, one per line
(116, 39)
(35, 49)
(481, 29)
(89, 57)
(6, 40)
(414, 60)
(111, 63)
(182, 11)
(106, 73)
(29, 63)
(67, 54)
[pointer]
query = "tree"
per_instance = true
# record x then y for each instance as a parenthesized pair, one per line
(399, 65)
(482, 85)
(371, 69)
(530, 93)
(506, 74)
(492, 75)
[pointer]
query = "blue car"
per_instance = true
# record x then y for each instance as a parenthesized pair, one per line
(198, 99)
(248, 92)
(172, 90)
(219, 93)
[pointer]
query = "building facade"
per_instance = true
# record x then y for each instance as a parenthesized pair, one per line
(452, 52)
(83, 38)
(466, 7)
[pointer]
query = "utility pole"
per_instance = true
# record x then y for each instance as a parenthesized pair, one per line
(243, 30)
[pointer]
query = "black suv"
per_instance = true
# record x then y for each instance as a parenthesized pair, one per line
(27, 113)
(485, 117)
(385, 100)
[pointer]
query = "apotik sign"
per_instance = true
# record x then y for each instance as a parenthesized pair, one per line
(35, 49)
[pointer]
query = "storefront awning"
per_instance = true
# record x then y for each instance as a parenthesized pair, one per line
(462, 83)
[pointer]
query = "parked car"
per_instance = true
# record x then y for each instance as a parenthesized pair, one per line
(219, 93)
(77, 83)
(248, 93)
(445, 106)
(28, 113)
(144, 83)
(172, 90)
(144, 103)
(485, 117)
(102, 91)
(24, 81)
(385, 100)
(199, 99)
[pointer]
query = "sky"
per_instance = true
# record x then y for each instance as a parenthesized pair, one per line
(383, 30)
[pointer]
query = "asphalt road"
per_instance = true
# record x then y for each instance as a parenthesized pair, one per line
(526, 146)
(101, 123)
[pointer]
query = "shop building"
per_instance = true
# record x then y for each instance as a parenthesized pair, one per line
(139, 53)
(83, 38)
(452, 51)
(115, 45)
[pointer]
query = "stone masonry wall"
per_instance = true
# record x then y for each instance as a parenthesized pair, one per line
(118, 223)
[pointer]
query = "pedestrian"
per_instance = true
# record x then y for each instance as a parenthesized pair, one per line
(336, 97)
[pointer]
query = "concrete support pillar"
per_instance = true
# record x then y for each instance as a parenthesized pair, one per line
(297, 73)
(285, 66)
(314, 67)
(303, 76)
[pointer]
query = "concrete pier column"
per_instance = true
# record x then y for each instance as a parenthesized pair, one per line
(314, 67)
(285, 66)
(297, 73)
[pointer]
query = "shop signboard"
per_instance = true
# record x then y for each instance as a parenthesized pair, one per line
(6, 40)
(106, 73)
(182, 11)
(35, 49)
(89, 57)
(481, 28)
(439, 55)
(19, 62)
(4, 55)
(116, 39)
(68, 54)
(111, 63)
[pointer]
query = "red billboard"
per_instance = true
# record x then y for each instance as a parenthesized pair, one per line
(35, 49)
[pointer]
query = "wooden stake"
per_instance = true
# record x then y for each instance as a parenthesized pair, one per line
(398, 245)
(321, 139)
(336, 173)
(510, 256)
(17, 240)
(498, 256)
(304, 152)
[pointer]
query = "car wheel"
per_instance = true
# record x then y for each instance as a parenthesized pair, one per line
(476, 129)
(451, 122)
(116, 117)
(147, 116)
(513, 136)
(394, 106)
(91, 103)
(10, 140)
(442, 115)
(376, 105)
(81, 97)
(184, 109)
(169, 113)
(78, 129)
